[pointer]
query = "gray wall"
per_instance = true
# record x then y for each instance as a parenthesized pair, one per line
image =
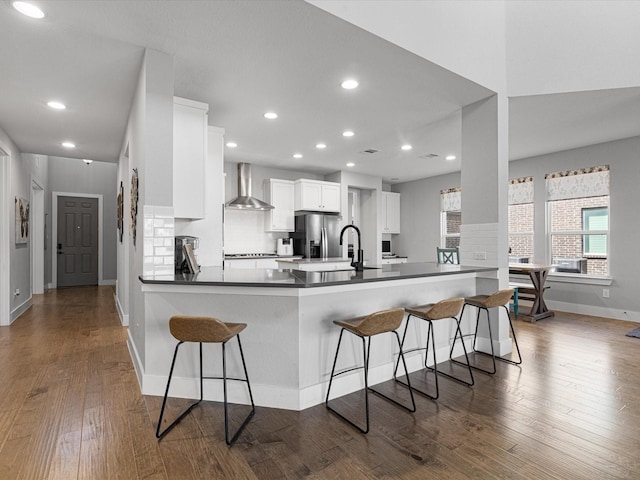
(72, 175)
(623, 157)
(421, 223)
(19, 262)
(420, 216)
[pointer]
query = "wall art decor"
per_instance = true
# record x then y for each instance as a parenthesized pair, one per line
(134, 203)
(120, 211)
(22, 220)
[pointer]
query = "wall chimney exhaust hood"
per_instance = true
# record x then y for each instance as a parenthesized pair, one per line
(244, 200)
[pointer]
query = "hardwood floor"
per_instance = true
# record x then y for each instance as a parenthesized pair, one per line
(71, 408)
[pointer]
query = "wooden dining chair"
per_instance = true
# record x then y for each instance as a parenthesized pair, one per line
(448, 255)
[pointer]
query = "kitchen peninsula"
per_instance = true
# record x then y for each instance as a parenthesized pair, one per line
(290, 337)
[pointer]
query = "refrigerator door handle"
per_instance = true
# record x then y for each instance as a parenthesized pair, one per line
(323, 241)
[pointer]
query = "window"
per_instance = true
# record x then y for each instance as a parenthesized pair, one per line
(451, 229)
(451, 217)
(578, 209)
(520, 211)
(595, 219)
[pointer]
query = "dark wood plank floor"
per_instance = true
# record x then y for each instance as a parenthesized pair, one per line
(70, 407)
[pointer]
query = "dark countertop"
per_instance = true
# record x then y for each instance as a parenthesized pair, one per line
(266, 277)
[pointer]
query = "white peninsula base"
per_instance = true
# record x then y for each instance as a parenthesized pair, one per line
(290, 339)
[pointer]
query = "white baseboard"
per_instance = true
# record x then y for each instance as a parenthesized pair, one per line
(106, 282)
(135, 359)
(282, 397)
(20, 309)
(594, 311)
(124, 318)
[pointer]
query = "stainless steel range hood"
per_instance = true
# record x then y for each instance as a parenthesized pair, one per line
(244, 200)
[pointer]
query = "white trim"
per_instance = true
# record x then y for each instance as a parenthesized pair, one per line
(135, 358)
(578, 278)
(5, 229)
(124, 318)
(20, 309)
(54, 232)
(37, 237)
(594, 311)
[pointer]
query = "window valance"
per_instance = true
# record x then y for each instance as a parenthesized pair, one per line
(451, 200)
(582, 183)
(520, 190)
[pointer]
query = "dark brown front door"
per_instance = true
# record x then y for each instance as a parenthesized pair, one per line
(77, 250)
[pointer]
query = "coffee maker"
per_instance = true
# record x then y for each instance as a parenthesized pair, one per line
(284, 246)
(180, 258)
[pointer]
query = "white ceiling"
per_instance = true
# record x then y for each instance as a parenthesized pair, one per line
(246, 57)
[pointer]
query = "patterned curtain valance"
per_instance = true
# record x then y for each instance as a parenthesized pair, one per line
(520, 190)
(586, 182)
(451, 200)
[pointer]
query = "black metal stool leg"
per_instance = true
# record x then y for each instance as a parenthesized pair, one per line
(366, 385)
(466, 356)
(160, 434)
(226, 405)
(408, 384)
(366, 349)
(515, 340)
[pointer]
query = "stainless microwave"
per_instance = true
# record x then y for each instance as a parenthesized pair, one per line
(386, 247)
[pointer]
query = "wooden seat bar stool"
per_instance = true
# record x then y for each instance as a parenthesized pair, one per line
(498, 299)
(432, 312)
(385, 321)
(206, 330)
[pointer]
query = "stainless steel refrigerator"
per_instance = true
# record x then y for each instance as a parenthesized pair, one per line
(317, 235)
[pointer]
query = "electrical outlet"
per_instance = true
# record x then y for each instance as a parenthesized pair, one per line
(17, 292)
(605, 293)
(479, 255)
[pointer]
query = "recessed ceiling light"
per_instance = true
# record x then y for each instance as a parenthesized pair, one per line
(68, 145)
(348, 133)
(271, 115)
(349, 84)
(351, 164)
(56, 105)
(406, 147)
(297, 155)
(321, 146)
(232, 144)
(450, 157)
(28, 9)
(87, 161)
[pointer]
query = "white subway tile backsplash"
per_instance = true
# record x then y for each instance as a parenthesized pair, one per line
(159, 232)
(244, 233)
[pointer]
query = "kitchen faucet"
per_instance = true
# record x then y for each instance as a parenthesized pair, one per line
(357, 262)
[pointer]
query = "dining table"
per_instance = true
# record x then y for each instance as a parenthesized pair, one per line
(537, 273)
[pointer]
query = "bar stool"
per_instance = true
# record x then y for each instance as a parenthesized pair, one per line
(484, 302)
(384, 321)
(206, 330)
(431, 312)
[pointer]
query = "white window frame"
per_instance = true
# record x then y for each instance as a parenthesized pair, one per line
(558, 190)
(443, 229)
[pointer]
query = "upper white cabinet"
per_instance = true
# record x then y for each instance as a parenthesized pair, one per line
(189, 157)
(390, 212)
(317, 196)
(280, 194)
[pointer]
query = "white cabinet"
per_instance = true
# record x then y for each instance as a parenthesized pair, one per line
(390, 212)
(317, 196)
(280, 194)
(189, 157)
(387, 261)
